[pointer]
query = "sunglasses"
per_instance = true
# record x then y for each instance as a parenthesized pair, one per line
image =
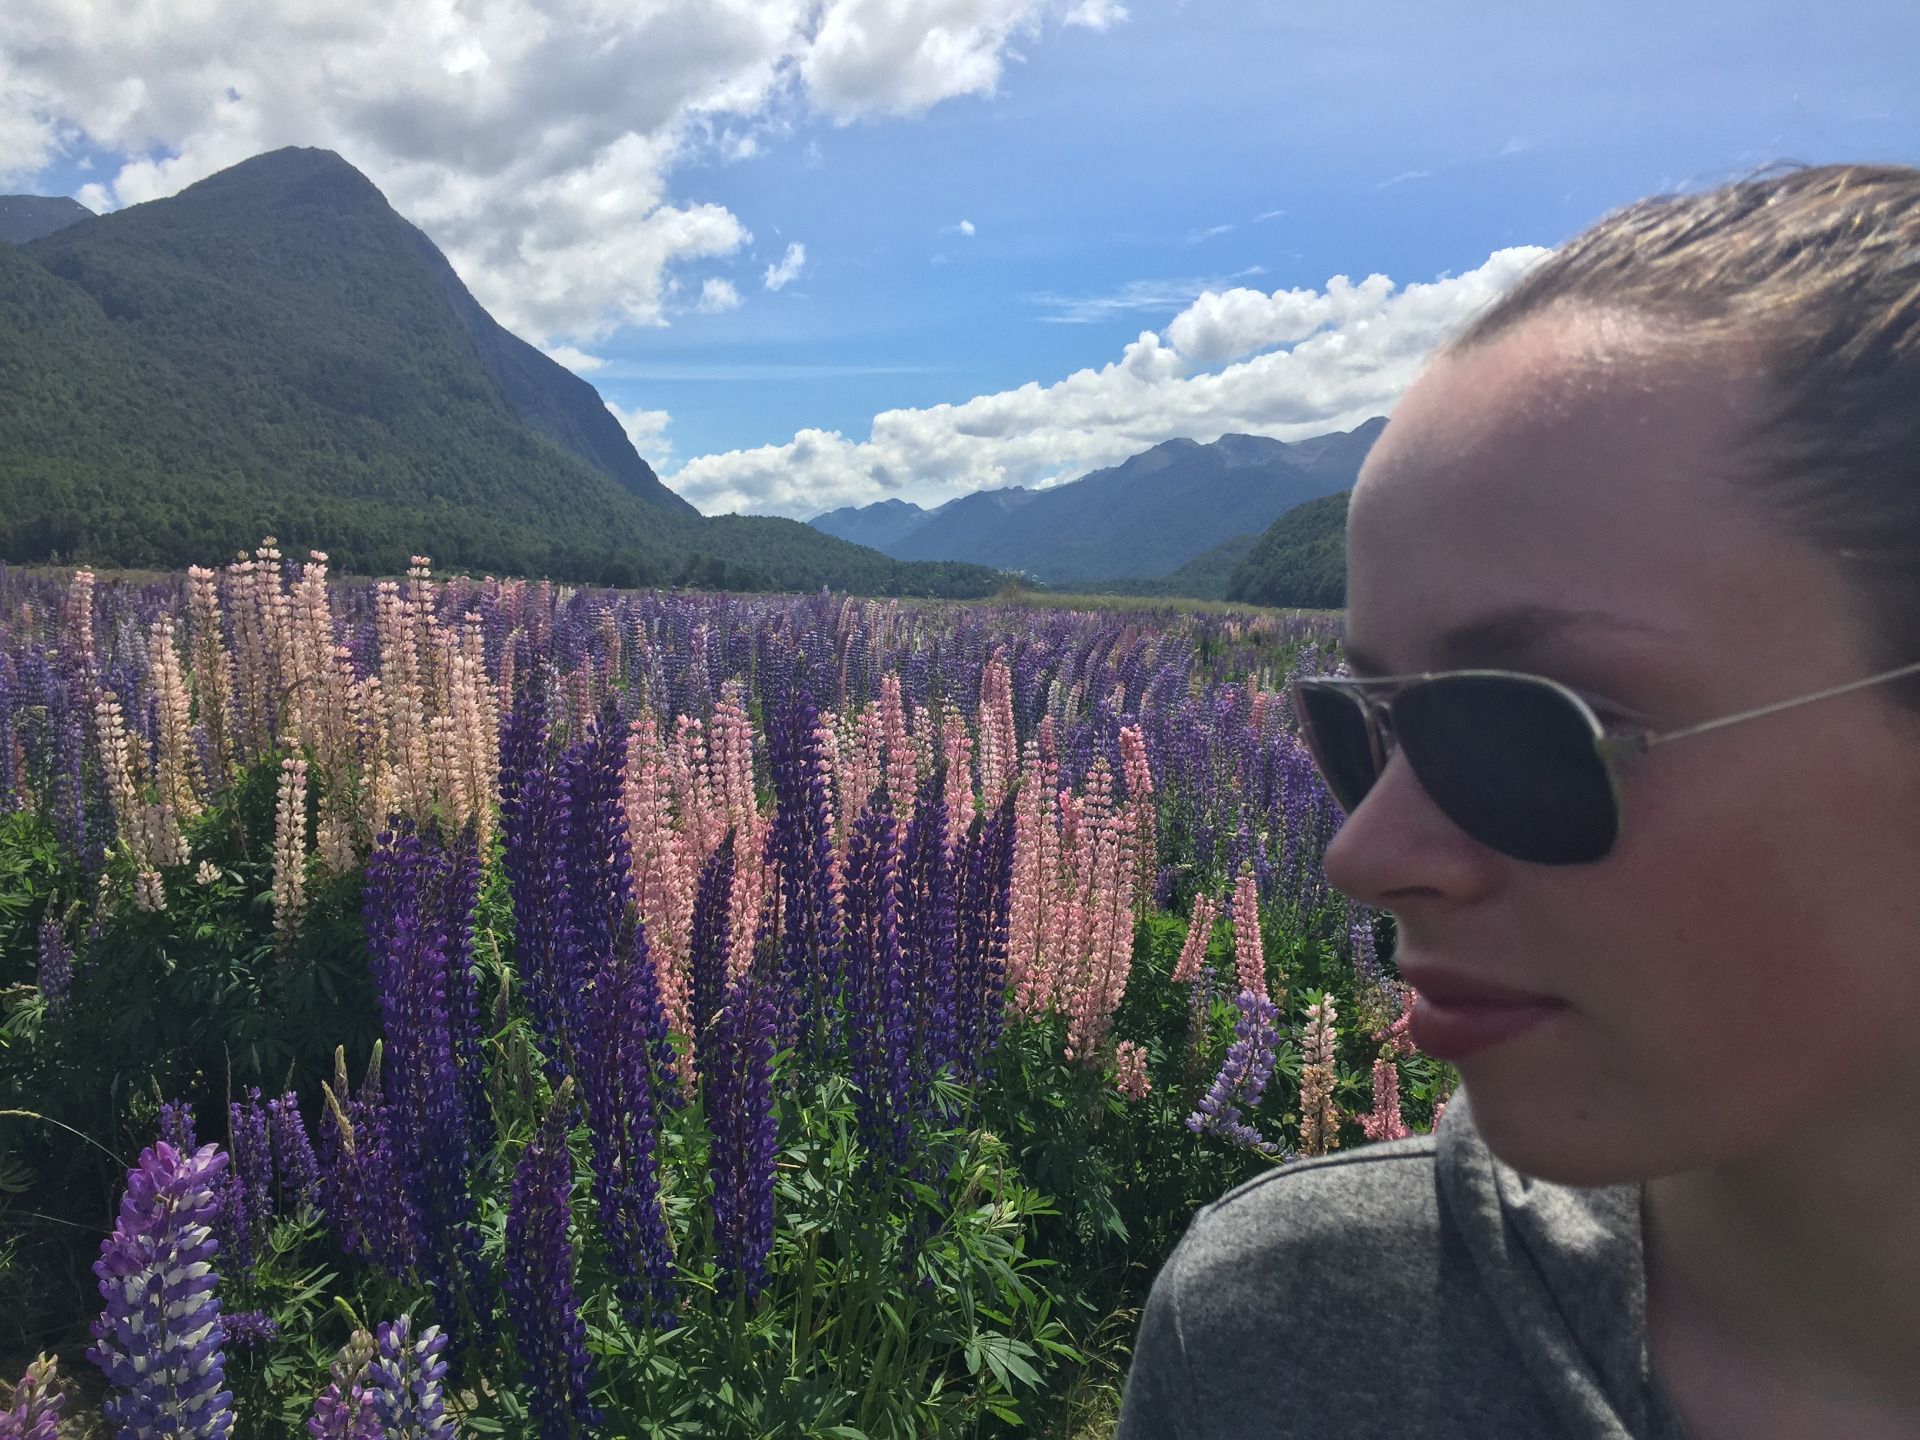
(1521, 763)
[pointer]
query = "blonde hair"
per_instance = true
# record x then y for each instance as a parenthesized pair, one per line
(1819, 268)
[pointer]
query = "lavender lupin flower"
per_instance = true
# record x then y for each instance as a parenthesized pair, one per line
(247, 1204)
(712, 914)
(929, 941)
(160, 1338)
(345, 1409)
(800, 846)
(298, 1166)
(406, 1380)
(551, 1338)
(878, 1038)
(745, 1137)
(34, 1412)
(176, 1125)
(1242, 1078)
(425, 1124)
(56, 964)
(250, 1329)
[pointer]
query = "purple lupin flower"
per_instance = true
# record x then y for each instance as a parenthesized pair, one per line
(879, 1037)
(800, 847)
(34, 1411)
(620, 1085)
(176, 1125)
(250, 1329)
(294, 1159)
(547, 1328)
(712, 930)
(9, 788)
(56, 964)
(1243, 1077)
(425, 1125)
(160, 1338)
(745, 1138)
(369, 1210)
(344, 1410)
(407, 1380)
(533, 824)
(929, 942)
(462, 893)
(247, 1200)
(986, 906)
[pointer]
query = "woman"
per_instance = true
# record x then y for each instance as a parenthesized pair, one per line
(1677, 471)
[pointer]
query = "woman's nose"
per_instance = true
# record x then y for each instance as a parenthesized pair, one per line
(1397, 841)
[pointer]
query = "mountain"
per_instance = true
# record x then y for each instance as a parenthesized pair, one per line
(275, 351)
(1143, 519)
(28, 217)
(1205, 577)
(878, 524)
(1301, 560)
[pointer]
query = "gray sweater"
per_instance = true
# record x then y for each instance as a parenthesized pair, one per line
(1415, 1287)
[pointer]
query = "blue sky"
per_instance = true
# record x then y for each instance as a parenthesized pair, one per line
(1118, 166)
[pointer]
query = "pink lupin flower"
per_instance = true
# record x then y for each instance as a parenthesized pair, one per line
(1130, 1070)
(1385, 1122)
(1194, 949)
(1319, 1117)
(1249, 957)
(998, 749)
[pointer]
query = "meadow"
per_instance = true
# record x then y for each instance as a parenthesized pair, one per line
(473, 1006)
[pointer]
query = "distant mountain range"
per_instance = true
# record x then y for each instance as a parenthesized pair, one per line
(28, 217)
(275, 351)
(1177, 505)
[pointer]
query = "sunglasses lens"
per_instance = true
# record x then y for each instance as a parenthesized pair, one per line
(1511, 763)
(1336, 734)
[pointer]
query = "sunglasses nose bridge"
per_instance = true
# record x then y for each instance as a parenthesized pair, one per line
(1378, 716)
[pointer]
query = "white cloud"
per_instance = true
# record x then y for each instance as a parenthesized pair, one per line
(901, 56)
(966, 228)
(533, 140)
(1097, 14)
(717, 295)
(578, 361)
(1133, 295)
(788, 266)
(1225, 325)
(1328, 360)
(647, 429)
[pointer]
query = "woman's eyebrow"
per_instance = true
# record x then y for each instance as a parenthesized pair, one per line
(1502, 638)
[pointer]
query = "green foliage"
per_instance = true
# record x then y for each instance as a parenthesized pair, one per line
(191, 1003)
(1300, 560)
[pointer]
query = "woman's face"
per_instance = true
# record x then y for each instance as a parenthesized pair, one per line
(1743, 968)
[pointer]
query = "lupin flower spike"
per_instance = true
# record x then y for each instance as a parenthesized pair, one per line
(34, 1413)
(406, 1379)
(159, 1340)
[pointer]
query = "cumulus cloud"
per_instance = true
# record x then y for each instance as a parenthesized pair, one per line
(533, 140)
(578, 361)
(787, 267)
(901, 56)
(1096, 14)
(1323, 360)
(647, 429)
(717, 295)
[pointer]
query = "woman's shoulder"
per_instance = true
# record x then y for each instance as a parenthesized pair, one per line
(1312, 1221)
(1334, 1295)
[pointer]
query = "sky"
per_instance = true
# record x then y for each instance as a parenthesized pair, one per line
(816, 253)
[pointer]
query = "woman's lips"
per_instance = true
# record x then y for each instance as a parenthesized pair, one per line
(1457, 1013)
